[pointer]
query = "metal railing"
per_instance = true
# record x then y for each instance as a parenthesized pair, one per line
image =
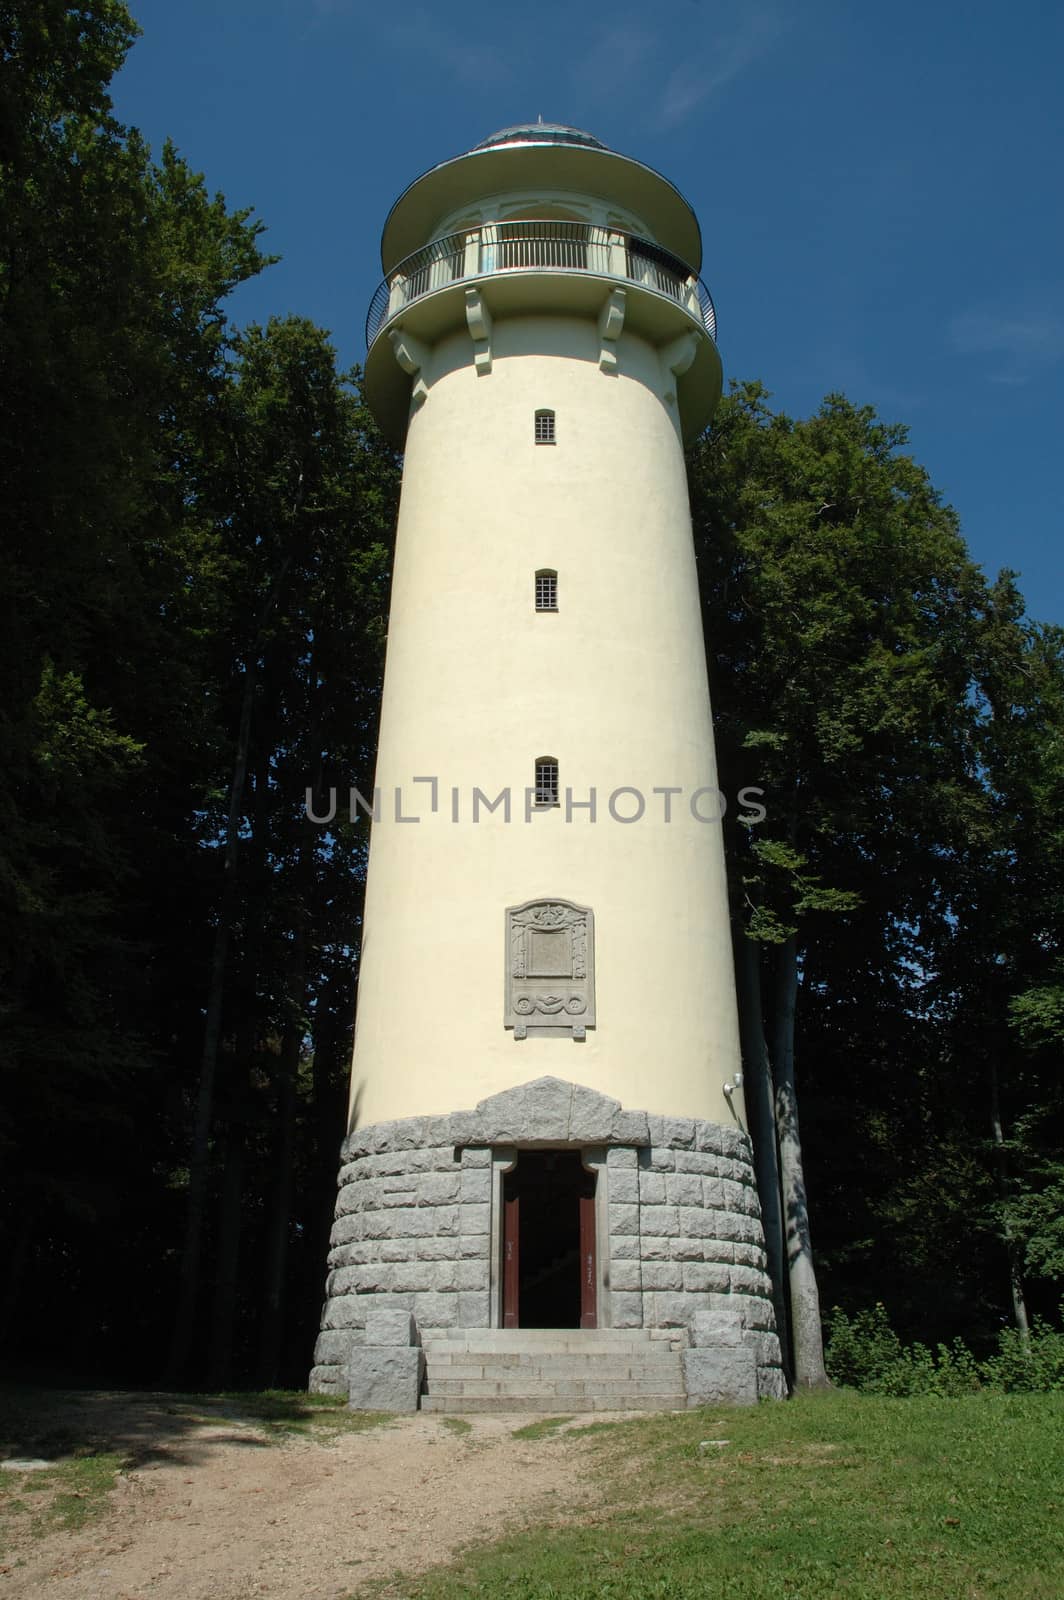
(538, 246)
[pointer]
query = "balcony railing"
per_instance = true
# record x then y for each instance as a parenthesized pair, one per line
(538, 246)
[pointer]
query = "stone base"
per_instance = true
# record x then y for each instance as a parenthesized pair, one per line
(723, 1373)
(682, 1228)
(380, 1378)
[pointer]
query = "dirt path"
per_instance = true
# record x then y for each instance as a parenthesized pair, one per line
(215, 1509)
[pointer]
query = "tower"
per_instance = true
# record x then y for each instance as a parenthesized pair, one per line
(546, 1126)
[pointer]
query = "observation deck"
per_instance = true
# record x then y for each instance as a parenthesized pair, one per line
(526, 265)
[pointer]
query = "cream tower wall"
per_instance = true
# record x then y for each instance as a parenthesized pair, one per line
(478, 685)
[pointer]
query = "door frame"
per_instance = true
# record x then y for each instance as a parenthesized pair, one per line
(588, 1261)
(503, 1160)
(593, 1158)
(511, 1261)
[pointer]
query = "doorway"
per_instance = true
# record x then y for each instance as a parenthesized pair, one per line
(549, 1265)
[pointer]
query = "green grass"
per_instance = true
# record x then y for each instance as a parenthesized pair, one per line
(457, 1425)
(546, 1428)
(66, 1495)
(281, 1413)
(41, 1424)
(587, 1428)
(835, 1497)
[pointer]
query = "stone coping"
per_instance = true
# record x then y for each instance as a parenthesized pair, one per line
(544, 1113)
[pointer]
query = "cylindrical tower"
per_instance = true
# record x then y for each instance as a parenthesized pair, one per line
(546, 996)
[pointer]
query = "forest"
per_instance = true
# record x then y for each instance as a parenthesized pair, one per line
(197, 526)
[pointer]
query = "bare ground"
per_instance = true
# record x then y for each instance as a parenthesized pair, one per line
(212, 1507)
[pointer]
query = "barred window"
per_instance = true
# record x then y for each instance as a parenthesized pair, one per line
(547, 790)
(546, 590)
(545, 427)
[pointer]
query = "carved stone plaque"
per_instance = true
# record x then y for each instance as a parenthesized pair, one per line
(550, 968)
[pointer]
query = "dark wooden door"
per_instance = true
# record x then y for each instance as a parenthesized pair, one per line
(511, 1261)
(588, 1299)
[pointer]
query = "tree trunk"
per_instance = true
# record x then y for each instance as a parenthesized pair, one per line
(199, 1158)
(272, 1329)
(14, 1275)
(1001, 1166)
(807, 1337)
(270, 1338)
(761, 1107)
(330, 1074)
(235, 1143)
(227, 1277)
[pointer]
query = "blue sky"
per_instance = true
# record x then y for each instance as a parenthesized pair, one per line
(879, 188)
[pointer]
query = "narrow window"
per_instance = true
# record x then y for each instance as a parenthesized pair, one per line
(546, 590)
(545, 427)
(547, 790)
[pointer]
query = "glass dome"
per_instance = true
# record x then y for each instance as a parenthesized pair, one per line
(541, 133)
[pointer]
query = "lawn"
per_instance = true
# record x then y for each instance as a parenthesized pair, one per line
(834, 1497)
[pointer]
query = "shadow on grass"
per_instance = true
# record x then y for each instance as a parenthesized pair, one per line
(153, 1428)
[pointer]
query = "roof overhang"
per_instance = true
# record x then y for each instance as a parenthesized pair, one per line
(576, 169)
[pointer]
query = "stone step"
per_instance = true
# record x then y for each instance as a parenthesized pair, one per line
(541, 1335)
(564, 1347)
(552, 1404)
(515, 1388)
(561, 1367)
(517, 1343)
(530, 1358)
(552, 1370)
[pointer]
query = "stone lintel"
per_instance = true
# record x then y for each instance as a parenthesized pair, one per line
(544, 1113)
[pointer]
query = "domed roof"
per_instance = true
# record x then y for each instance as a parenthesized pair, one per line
(541, 133)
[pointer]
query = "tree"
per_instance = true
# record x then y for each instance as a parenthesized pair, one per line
(113, 351)
(840, 615)
(303, 504)
(1005, 982)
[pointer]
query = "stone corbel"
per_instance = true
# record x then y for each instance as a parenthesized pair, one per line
(412, 356)
(676, 358)
(610, 323)
(478, 321)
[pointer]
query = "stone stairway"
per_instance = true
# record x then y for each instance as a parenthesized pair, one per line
(553, 1370)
